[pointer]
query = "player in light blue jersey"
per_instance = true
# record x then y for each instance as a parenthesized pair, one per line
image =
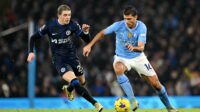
(130, 44)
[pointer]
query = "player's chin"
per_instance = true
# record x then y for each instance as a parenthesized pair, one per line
(129, 24)
(67, 22)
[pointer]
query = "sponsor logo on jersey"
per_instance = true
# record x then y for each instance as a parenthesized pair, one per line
(134, 35)
(63, 69)
(60, 41)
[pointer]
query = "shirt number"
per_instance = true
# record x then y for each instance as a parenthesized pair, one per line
(148, 66)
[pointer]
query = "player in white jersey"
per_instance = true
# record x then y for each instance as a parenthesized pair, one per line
(130, 44)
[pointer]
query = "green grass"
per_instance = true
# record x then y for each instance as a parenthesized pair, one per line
(92, 110)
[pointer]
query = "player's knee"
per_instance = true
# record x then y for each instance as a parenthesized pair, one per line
(119, 69)
(118, 72)
(79, 89)
(75, 82)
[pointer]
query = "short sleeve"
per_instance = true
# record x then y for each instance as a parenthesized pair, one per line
(77, 29)
(110, 29)
(142, 33)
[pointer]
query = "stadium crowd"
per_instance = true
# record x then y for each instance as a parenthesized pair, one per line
(172, 46)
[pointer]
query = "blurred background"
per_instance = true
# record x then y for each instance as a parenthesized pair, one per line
(172, 46)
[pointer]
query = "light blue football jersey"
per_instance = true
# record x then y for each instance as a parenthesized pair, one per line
(125, 35)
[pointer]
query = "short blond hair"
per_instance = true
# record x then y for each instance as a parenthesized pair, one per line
(62, 8)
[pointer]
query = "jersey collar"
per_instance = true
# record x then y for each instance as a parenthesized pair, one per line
(60, 24)
(131, 28)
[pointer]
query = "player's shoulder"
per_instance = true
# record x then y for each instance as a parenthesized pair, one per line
(47, 24)
(119, 23)
(51, 22)
(74, 23)
(141, 24)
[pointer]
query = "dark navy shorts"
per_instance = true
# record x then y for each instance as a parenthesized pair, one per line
(63, 66)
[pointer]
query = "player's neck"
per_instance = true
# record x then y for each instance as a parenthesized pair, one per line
(132, 26)
(60, 22)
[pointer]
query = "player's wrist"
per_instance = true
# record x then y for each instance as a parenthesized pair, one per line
(133, 49)
(90, 45)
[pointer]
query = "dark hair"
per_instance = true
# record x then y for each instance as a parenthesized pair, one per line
(130, 11)
(62, 8)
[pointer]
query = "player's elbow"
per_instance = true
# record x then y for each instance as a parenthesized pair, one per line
(142, 49)
(139, 49)
(101, 33)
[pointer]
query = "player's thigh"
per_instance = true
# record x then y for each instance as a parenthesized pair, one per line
(142, 66)
(69, 76)
(78, 70)
(64, 70)
(77, 67)
(120, 65)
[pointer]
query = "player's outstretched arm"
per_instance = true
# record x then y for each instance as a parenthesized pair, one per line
(87, 48)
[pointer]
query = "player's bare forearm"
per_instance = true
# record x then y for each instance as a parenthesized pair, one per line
(135, 49)
(138, 49)
(96, 38)
(87, 48)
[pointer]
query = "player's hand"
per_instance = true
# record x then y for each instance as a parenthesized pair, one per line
(31, 56)
(130, 47)
(86, 50)
(85, 28)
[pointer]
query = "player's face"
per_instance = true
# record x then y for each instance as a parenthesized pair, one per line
(130, 20)
(65, 17)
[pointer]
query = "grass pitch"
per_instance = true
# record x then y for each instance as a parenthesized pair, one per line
(93, 110)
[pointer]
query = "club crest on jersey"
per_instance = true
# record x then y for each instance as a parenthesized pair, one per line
(63, 69)
(129, 34)
(68, 32)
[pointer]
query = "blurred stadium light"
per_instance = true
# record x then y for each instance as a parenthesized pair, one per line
(31, 66)
(14, 29)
